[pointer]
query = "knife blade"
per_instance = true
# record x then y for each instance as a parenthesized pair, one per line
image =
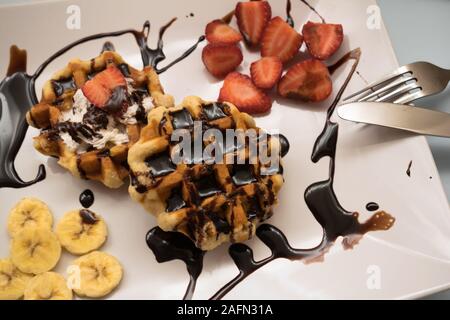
(410, 118)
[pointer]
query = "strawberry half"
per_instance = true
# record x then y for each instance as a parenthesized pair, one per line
(240, 91)
(220, 59)
(308, 80)
(98, 90)
(322, 39)
(280, 40)
(266, 72)
(97, 94)
(252, 18)
(218, 31)
(111, 78)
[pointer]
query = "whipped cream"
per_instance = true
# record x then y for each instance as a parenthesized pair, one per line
(115, 131)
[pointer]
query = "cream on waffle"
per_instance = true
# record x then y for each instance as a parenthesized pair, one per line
(89, 127)
(210, 203)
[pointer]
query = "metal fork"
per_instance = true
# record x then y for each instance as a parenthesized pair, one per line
(405, 84)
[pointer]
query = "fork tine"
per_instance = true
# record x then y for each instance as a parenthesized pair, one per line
(394, 84)
(370, 87)
(398, 92)
(410, 97)
(390, 77)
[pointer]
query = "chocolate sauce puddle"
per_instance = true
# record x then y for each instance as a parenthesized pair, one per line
(320, 199)
(168, 246)
(87, 198)
(18, 95)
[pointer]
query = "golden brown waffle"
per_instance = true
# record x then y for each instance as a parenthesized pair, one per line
(210, 203)
(106, 164)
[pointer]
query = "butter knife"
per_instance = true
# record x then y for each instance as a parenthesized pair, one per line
(405, 117)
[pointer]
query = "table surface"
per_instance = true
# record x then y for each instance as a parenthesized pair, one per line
(419, 32)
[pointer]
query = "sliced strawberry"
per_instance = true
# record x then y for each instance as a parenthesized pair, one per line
(97, 94)
(218, 31)
(98, 90)
(220, 59)
(322, 39)
(266, 72)
(308, 80)
(252, 18)
(280, 40)
(111, 78)
(240, 91)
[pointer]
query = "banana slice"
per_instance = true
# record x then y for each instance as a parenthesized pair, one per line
(29, 212)
(12, 281)
(35, 250)
(48, 286)
(100, 273)
(81, 231)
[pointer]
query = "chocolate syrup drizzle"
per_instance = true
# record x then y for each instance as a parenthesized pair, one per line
(108, 46)
(408, 170)
(320, 199)
(18, 94)
(88, 217)
(372, 206)
(168, 246)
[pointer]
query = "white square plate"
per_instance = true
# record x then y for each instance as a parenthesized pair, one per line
(410, 260)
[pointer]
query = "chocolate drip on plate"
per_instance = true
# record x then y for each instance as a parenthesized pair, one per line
(17, 96)
(87, 198)
(160, 164)
(408, 170)
(118, 100)
(306, 3)
(88, 217)
(214, 111)
(372, 206)
(168, 246)
(323, 204)
(289, 19)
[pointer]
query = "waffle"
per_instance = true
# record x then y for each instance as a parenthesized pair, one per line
(211, 203)
(104, 159)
